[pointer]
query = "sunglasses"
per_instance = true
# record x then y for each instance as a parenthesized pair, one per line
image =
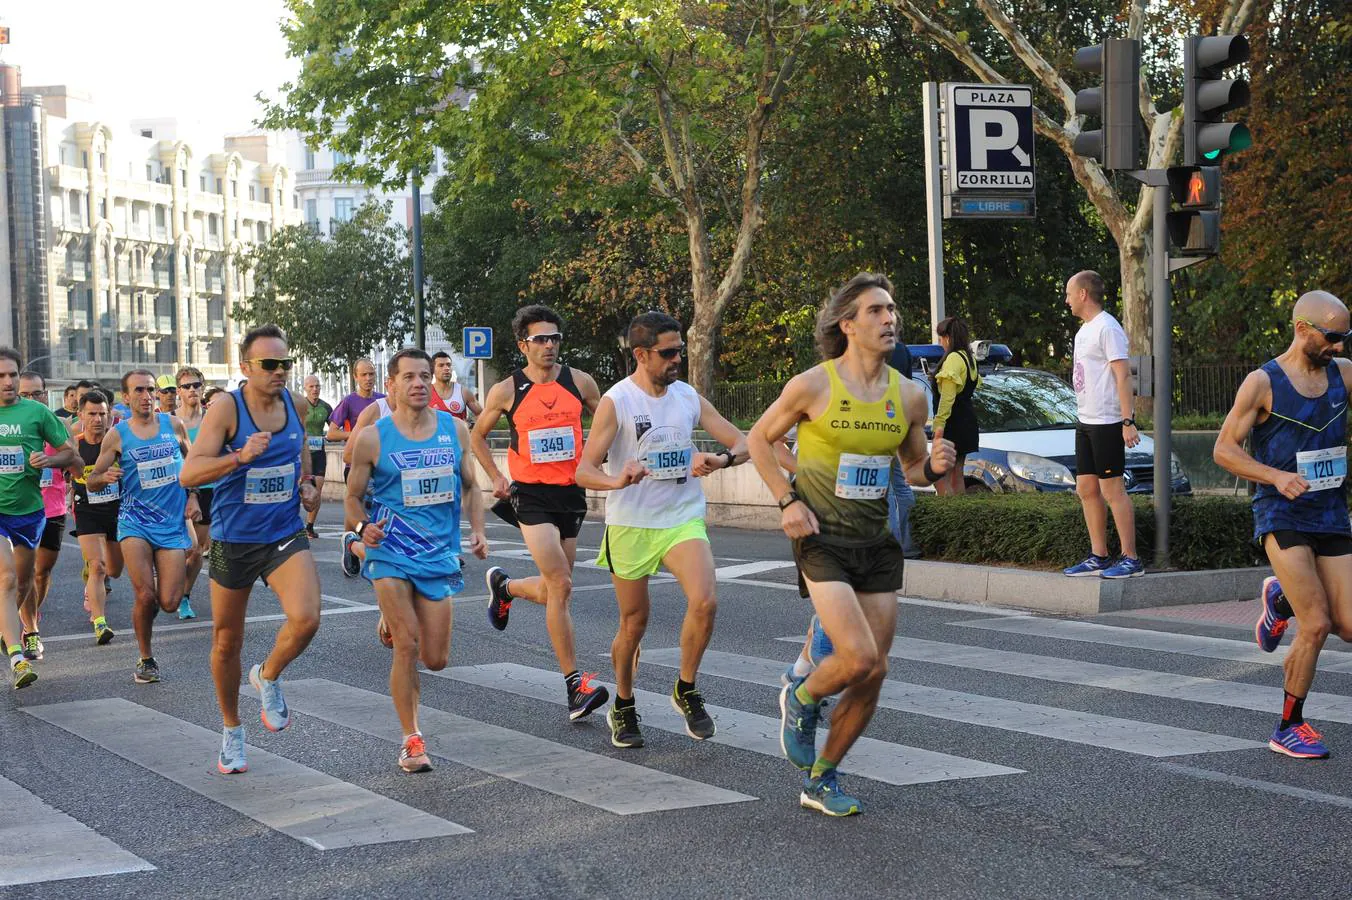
(540, 340)
(268, 364)
(172, 390)
(1333, 337)
(33, 395)
(669, 353)
(190, 386)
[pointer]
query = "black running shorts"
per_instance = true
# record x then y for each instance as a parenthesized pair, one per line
(204, 501)
(1322, 544)
(871, 569)
(52, 534)
(1100, 450)
(237, 566)
(563, 506)
(90, 519)
(319, 463)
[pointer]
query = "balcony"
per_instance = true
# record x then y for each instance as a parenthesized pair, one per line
(68, 177)
(76, 270)
(216, 328)
(164, 324)
(314, 176)
(73, 320)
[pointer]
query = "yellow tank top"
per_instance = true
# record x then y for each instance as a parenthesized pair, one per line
(845, 460)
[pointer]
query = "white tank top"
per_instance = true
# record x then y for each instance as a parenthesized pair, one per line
(383, 406)
(657, 431)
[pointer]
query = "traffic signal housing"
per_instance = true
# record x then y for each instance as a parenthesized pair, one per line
(1206, 95)
(1195, 229)
(1117, 145)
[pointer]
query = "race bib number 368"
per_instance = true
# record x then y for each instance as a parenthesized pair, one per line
(270, 484)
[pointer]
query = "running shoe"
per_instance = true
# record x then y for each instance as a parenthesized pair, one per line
(102, 633)
(1271, 625)
(275, 715)
(690, 704)
(824, 795)
(185, 609)
(310, 532)
(1126, 567)
(1299, 740)
(351, 565)
(231, 761)
(24, 674)
(585, 698)
(624, 730)
(820, 646)
(500, 606)
(413, 755)
(147, 671)
(798, 726)
(1090, 565)
(32, 645)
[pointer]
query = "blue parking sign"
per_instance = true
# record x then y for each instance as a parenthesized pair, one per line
(477, 343)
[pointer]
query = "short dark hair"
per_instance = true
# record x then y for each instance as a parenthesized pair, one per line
(956, 330)
(11, 353)
(94, 396)
(260, 331)
(1093, 284)
(440, 354)
(844, 304)
(70, 389)
(645, 328)
(527, 316)
(407, 353)
(127, 375)
(29, 373)
(189, 370)
(86, 383)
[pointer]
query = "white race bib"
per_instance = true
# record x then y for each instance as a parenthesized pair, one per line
(429, 485)
(552, 444)
(47, 478)
(860, 477)
(12, 460)
(108, 494)
(1323, 469)
(669, 462)
(315, 442)
(271, 484)
(157, 473)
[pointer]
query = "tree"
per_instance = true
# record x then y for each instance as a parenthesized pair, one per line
(684, 93)
(1040, 45)
(336, 298)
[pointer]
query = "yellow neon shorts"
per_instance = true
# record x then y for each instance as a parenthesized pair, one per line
(633, 553)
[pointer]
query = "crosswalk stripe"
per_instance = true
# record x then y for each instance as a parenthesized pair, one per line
(40, 843)
(613, 785)
(1160, 641)
(1327, 707)
(310, 806)
(1126, 735)
(874, 759)
(751, 568)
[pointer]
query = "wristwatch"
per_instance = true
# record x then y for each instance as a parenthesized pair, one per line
(789, 499)
(1129, 421)
(360, 528)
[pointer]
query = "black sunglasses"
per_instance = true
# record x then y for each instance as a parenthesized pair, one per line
(1333, 337)
(191, 386)
(268, 364)
(540, 340)
(669, 353)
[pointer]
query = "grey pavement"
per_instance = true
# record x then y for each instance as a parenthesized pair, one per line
(1012, 756)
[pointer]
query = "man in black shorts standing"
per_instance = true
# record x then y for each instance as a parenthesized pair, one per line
(543, 402)
(1103, 394)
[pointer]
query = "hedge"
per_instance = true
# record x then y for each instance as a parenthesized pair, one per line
(1048, 531)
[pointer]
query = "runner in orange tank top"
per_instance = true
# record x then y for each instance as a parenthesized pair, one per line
(544, 402)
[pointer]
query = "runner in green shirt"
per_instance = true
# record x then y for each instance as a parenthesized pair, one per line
(25, 427)
(314, 412)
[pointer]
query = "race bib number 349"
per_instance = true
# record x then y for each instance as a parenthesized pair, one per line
(1323, 469)
(552, 444)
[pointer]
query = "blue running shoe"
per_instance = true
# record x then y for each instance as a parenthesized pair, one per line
(275, 715)
(824, 795)
(1126, 567)
(1090, 565)
(1300, 740)
(820, 646)
(231, 761)
(185, 609)
(1271, 625)
(351, 564)
(798, 726)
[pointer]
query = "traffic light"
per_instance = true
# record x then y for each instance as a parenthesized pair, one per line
(1117, 102)
(1206, 95)
(1195, 230)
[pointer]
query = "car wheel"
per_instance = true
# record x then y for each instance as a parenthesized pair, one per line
(977, 487)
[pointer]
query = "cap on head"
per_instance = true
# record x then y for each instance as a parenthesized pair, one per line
(166, 382)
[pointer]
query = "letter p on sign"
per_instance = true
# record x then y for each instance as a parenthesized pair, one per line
(477, 343)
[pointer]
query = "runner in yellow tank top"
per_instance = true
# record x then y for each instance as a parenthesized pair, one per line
(854, 415)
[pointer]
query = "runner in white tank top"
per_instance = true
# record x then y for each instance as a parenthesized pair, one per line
(655, 513)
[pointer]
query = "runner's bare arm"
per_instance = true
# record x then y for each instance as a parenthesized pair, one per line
(942, 454)
(472, 404)
(366, 449)
(205, 463)
(106, 470)
(193, 511)
(55, 432)
(789, 408)
(496, 403)
(367, 416)
(1252, 401)
(726, 433)
(599, 440)
(471, 500)
(586, 386)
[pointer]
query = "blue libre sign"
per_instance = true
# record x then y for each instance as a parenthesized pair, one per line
(990, 207)
(477, 343)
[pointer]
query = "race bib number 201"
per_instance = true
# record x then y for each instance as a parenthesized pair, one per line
(1323, 469)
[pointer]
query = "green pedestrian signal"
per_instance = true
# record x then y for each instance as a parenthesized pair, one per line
(1206, 95)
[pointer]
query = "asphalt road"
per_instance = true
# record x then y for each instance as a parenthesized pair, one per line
(1011, 758)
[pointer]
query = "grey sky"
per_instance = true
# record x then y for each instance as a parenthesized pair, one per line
(194, 60)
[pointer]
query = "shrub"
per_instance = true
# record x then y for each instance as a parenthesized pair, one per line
(1048, 531)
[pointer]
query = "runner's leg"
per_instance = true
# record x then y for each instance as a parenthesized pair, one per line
(860, 699)
(632, 597)
(296, 583)
(10, 627)
(1297, 571)
(91, 546)
(845, 623)
(140, 559)
(228, 607)
(396, 600)
(692, 562)
(1336, 574)
(24, 564)
(43, 563)
(170, 568)
(202, 533)
(554, 558)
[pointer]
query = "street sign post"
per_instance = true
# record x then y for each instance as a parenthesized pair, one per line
(988, 167)
(477, 343)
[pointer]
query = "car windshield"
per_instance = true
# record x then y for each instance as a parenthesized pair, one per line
(1023, 400)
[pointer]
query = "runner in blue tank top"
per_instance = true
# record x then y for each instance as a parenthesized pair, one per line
(417, 464)
(145, 452)
(191, 412)
(1295, 410)
(251, 445)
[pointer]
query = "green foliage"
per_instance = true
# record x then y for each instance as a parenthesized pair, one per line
(336, 298)
(1048, 531)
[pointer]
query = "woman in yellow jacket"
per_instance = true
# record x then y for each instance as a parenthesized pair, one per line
(954, 384)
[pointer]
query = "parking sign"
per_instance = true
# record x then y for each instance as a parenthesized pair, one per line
(477, 342)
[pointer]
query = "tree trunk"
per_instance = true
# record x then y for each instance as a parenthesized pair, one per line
(699, 338)
(1134, 262)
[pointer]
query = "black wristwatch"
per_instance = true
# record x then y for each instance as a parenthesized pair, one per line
(360, 528)
(788, 500)
(732, 458)
(1129, 421)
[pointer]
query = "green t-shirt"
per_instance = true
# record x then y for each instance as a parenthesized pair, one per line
(25, 428)
(317, 418)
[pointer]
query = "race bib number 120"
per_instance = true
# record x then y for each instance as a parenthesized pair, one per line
(1323, 469)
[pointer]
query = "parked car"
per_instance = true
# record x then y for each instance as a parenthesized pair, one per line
(1028, 421)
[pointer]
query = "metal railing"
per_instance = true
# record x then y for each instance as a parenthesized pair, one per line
(1208, 389)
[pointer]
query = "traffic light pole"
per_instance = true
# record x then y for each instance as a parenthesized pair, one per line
(1163, 328)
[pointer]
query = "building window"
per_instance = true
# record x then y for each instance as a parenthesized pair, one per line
(159, 217)
(342, 209)
(309, 158)
(262, 233)
(103, 208)
(183, 177)
(202, 183)
(339, 157)
(312, 213)
(150, 172)
(295, 201)
(147, 133)
(234, 188)
(220, 186)
(84, 159)
(252, 193)
(211, 226)
(103, 161)
(267, 195)
(432, 169)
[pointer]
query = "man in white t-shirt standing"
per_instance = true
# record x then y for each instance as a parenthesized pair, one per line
(1103, 393)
